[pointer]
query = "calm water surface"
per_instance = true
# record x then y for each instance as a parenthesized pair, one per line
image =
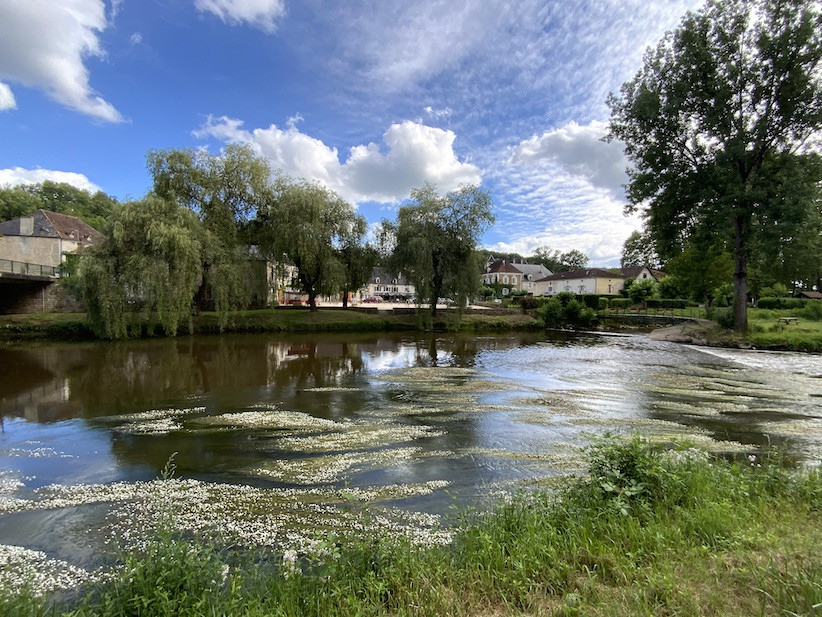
(278, 439)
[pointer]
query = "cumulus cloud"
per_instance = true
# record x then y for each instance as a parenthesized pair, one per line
(18, 175)
(262, 14)
(414, 154)
(44, 44)
(579, 151)
(6, 97)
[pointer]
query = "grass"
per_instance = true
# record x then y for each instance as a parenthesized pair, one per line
(765, 331)
(75, 326)
(646, 532)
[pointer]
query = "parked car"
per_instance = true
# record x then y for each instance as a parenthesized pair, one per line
(372, 299)
(296, 302)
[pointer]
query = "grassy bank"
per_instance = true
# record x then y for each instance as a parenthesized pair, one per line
(647, 532)
(75, 326)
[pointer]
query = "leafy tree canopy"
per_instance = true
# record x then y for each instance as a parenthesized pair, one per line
(435, 239)
(316, 230)
(716, 125)
(638, 251)
(149, 266)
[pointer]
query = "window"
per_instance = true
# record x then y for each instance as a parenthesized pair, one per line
(504, 280)
(377, 280)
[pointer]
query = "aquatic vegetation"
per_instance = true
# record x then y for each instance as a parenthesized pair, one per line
(35, 572)
(270, 417)
(357, 436)
(330, 469)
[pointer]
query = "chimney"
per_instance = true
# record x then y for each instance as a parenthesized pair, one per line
(27, 226)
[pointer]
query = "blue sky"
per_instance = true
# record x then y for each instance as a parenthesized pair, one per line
(371, 98)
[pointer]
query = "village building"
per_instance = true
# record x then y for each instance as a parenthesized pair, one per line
(583, 281)
(388, 285)
(44, 238)
(513, 276)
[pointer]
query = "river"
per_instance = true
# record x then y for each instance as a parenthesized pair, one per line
(269, 441)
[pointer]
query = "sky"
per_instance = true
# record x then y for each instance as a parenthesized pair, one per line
(370, 97)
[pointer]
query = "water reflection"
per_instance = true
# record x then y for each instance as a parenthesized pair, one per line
(399, 419)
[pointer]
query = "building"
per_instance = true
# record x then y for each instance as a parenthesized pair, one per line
(388, 285)
(584, 281)
(44, 238)
(513, 276)
(642, 272)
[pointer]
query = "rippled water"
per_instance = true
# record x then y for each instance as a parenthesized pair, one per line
(278, 439)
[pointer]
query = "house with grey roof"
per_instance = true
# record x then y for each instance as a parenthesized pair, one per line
(583, 281)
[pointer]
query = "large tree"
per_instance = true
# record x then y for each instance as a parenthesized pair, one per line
(149, 266)
(311, 226)
(436, 238)
(225, 190)
(717, 124)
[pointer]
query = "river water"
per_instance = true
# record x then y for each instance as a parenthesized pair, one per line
(271, 441)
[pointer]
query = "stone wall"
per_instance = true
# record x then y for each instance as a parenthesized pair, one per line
(36, 297)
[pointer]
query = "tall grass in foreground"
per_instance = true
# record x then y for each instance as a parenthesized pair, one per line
(646, 532)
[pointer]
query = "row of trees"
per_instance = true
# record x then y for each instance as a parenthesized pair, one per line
(721, 127)
(193, 241)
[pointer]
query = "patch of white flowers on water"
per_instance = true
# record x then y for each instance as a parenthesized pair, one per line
(328, 469)
(357, 437)
(153, 421)
(22, 568)
(154, 414)
(34, 453)
(271, 418)
(396, 491)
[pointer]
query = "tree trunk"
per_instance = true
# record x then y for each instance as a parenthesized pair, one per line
(740, 307)
(312, 302)
(345, 298)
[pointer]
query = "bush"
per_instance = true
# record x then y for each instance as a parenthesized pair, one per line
(591, 300)
(529, 302)
(620, 303)
(780, 303)
(812, 311)
(665, 303)
(724, 316)
(551, 312)
(603, 303)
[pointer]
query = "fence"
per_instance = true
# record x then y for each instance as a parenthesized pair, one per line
(20, 267)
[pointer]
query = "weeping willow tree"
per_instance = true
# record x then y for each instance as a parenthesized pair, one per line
(224, 191)
(147, 270)
(435, 242)
(312, 227)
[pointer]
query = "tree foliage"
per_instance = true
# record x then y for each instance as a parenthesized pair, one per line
(96, 208)
(224, 190)
(435, 239)
(574, 260)
(148, 267)
(716, 125)
(638, 250)
(312, 227)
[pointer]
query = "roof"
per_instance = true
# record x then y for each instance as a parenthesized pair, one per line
(535, 270)
(47, 224)
(634, 271)
(387, 277)
(585, 273)
(814, 295)
(502, 265)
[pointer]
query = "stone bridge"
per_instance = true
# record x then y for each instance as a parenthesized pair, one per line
(33, 288)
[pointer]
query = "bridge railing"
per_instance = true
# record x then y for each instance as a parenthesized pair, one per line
(21, 267)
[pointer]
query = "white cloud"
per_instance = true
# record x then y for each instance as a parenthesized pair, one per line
(6, 98)
(44, 44)
(262, 14)
(18, 175)
(579, 151)
(415, 154)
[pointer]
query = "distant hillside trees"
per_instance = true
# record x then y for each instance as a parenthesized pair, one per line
(96, 208)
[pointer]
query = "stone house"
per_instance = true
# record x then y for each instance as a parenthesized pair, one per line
(583, 281)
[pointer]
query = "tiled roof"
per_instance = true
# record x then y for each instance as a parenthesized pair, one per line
(502, 265)
(585, 273)
(52, 225)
